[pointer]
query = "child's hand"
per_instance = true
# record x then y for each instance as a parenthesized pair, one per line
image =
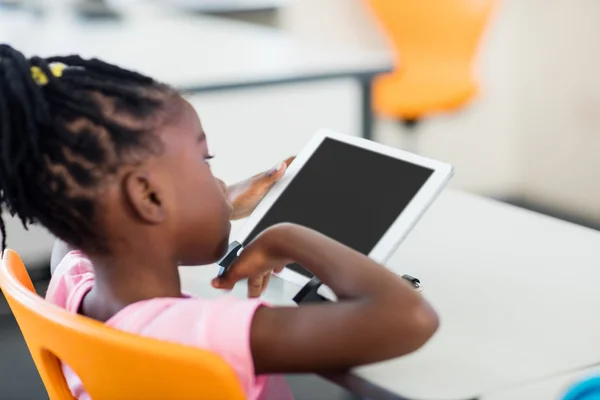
(246, 195)
(256, 263)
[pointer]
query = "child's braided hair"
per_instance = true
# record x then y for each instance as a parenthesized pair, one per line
(65, 124)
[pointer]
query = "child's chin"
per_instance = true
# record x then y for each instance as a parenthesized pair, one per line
(222, 248)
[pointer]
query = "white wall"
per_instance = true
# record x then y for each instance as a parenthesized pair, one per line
(33, 245)
(251, 130)
(559, 104)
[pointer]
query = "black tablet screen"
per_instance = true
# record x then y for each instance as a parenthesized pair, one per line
(348, 193)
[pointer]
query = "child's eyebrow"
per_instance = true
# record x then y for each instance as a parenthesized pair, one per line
(201, 136)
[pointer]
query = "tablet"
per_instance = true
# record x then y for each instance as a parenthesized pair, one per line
(361, 193)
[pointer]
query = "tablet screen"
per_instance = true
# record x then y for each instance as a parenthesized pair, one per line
(348, 193)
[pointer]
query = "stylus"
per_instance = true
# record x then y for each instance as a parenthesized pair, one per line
(232, 252)
(413, 281)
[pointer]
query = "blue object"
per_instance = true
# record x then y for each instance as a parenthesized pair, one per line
(588, 389)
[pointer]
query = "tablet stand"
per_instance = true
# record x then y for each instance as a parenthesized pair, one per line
(308, 293)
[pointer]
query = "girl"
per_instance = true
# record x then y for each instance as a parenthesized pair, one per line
(116, 165)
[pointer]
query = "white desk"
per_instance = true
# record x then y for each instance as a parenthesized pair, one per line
(516, 292)
(197, 54)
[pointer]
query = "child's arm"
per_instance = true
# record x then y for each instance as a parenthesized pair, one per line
(378, 316)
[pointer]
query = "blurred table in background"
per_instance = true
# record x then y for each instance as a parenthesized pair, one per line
(10, 2)
(227, 6)
(262, 12)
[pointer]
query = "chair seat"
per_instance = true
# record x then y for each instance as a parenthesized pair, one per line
(412, 94)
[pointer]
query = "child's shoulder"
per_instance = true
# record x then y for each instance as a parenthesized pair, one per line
(74, 263)
(189, 319)
(74, 275)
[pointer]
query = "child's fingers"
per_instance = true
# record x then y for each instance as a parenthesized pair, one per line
(273, 175)
(267, 179)
(265, 282)
(289, 160)
(219, 283)
(241, 268)
(227, 280)
(255, 286)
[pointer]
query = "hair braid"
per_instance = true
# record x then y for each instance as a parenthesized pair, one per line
(59, 139)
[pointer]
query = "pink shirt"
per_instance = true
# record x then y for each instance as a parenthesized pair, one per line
(221, 326)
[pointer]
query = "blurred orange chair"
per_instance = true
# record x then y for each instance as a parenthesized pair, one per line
(111, 364)
(435, 44)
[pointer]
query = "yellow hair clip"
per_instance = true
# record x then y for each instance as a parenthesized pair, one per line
(40, 77)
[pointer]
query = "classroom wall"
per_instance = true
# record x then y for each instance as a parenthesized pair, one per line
(559, 105)
(252, 130)
(33, 245)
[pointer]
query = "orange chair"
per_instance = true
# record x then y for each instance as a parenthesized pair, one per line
(435, 43)
(111, 364)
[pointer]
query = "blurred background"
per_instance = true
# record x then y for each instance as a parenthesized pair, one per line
(507, 91)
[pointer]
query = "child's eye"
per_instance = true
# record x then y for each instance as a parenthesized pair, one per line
(208, 158)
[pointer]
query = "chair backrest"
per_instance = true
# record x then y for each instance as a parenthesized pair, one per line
(111, 364)
(433, 29)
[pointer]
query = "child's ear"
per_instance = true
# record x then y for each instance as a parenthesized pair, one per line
(143, 197)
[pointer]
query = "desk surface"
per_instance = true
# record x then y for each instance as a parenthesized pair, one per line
(516, 292)
(189, 52)
(511, 288)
